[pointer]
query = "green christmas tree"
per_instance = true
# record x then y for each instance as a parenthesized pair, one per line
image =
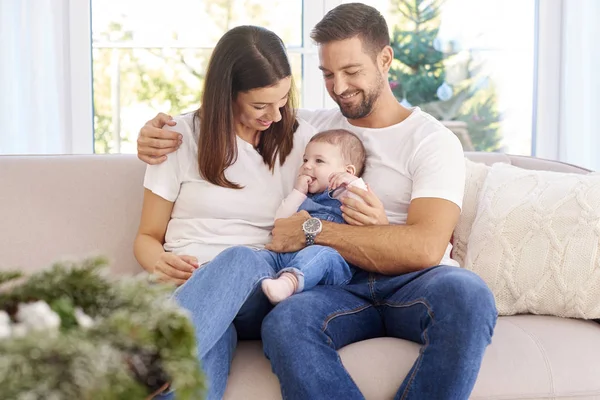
(420, 71)
(419, 77)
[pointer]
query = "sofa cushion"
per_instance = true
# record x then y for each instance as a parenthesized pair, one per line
(55, 208)
(541, 357)
(475, 174)
(531, 357)
(536, 241)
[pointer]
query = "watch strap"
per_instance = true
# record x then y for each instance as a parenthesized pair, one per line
(310, 238)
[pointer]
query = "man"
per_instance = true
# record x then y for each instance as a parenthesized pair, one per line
(408, 286)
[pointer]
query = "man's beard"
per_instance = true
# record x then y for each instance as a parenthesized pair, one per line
(365, 107)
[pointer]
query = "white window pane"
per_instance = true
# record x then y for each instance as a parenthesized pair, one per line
(502, 42)
(193, 23)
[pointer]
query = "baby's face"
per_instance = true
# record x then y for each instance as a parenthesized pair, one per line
(320, 161)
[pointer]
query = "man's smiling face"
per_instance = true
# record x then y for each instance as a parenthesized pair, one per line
(351, 76)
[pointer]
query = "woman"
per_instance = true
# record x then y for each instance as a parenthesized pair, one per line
(238, 160)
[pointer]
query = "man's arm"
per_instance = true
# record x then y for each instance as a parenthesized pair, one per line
(386, 249)
(396, 249)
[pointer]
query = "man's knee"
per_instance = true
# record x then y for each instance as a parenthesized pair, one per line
(465, 295)
(292, 320)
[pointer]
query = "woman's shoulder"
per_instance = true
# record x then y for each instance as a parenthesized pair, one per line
(189, 127)
(186, 124)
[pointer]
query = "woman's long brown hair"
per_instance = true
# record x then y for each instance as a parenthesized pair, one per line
(245, 58)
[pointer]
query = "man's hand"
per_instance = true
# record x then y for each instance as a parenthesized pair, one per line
(288, 235)
(174, 269)
(302, 183)
(370, 211)
(154, 143)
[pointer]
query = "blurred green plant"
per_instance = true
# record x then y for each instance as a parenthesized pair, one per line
(137, 340)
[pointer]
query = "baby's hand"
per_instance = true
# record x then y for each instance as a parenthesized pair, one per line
(338, 179)
(302, 183)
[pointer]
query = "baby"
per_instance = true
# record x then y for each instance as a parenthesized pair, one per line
(333, 161)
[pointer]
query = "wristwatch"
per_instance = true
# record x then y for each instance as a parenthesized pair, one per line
(311, 228)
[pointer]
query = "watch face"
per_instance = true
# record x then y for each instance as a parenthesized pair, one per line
(312, 226)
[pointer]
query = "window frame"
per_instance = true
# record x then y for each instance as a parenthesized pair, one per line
(548, 66)
(81, 89)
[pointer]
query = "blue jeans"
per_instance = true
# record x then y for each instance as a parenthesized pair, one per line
(226, 303)
(313, 265)
(448, 310)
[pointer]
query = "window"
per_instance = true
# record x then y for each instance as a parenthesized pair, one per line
(149, 57)
(488, 56)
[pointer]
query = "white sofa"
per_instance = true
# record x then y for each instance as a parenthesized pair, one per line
(55, 207)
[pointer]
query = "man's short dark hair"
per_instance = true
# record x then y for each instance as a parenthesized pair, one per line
(351, 20)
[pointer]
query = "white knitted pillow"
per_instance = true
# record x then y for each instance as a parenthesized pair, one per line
(475, 176)
(536, 242)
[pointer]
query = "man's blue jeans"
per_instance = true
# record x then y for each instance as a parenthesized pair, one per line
(450, 311)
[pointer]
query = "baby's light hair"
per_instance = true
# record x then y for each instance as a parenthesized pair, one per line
(351, 147)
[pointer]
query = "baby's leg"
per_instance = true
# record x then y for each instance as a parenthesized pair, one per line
(305, 269)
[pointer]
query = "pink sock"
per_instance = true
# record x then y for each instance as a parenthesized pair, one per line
(281, 288)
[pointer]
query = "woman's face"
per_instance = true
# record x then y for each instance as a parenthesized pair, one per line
(257, 109)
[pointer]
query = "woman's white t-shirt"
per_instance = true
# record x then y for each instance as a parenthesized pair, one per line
(206, 219)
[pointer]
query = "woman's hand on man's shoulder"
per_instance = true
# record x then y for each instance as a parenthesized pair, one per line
(154, 142)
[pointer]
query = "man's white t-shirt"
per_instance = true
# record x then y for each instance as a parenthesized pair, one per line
(419, 157)
(206, 219)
